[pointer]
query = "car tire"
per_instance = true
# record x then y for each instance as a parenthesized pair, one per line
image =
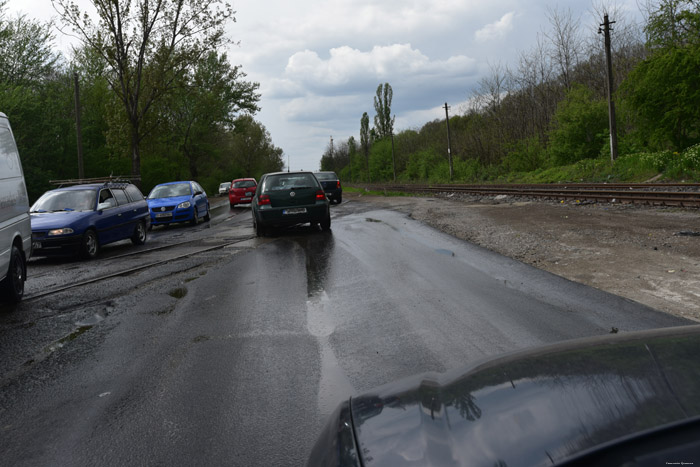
(13, 284)
(232, 205)
(326, 223)
(339, 200)
(207, 217)
(195, 218)
(139, 236)
(259, 229)
(89, 246)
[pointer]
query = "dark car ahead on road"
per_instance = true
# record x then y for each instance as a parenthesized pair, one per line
(284, 199)
(331, 185)
(242, 191)
(172, 202)
(625, 400)
(82, 218)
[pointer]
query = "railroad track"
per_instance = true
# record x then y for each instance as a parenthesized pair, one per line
(131, 270)
(656, 194)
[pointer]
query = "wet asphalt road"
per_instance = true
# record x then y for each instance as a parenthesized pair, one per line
(236, 356)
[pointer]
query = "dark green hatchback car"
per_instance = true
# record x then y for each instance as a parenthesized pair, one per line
(284, 199)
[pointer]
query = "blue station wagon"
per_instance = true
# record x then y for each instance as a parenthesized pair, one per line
(81, 218)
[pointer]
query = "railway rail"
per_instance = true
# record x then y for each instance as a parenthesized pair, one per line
(655, 194)
(140, 254)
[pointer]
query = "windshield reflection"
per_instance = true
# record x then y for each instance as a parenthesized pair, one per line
(531, 411)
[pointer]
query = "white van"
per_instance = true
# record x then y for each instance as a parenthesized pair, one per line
(15, 226)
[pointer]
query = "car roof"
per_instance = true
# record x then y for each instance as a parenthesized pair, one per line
(242, 179)
(92, 186)
(296, 172)
(174, 183)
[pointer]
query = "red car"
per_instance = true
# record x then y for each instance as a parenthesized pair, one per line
(242, 191)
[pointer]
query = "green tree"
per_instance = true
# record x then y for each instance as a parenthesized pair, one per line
(147, 46)
(26, 50)
(579, 127)
(205, 105)
(365, 140)
(383, 122)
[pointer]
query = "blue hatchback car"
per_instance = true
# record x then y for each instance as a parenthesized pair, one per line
(178, 202)
(82, 218)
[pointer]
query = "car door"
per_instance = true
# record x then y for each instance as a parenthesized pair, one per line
(200, 198)
(107, 220)
(125, 214)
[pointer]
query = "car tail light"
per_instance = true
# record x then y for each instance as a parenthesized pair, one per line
(320, 195)
(263, 199)
(338, 183)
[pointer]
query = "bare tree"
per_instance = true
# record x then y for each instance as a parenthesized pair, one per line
(566, 43)
(147, 45)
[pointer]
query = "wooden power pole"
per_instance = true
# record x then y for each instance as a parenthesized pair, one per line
(611, 105)
(78, 127)
(449, 143)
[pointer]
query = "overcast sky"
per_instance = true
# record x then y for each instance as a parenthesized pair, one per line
(319, 62)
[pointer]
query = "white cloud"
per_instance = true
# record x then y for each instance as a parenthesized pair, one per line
(496, 30)
(352, 69)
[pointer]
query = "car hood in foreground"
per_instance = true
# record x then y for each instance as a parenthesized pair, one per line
(538, 407)
(57, 219)
(174, 201)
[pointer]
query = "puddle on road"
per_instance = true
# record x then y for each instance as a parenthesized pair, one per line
(334, 385)
(318, 263)
(70, 337)
(178, 293)
(445, 252)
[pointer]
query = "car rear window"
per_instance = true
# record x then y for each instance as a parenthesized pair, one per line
(326, 176)
(243, 184)
(134, 193)
(289, 181)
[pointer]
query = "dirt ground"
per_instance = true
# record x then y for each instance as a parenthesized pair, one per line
(647, 254)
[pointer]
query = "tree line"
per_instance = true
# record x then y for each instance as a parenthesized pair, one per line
(159, 100)
(550, 109)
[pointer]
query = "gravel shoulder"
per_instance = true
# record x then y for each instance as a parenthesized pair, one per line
(647, 254)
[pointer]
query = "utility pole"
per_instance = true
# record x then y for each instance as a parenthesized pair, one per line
(332, 161)
(78, 127)
(611, 105)
(393, 159)
(288, 168)
(449, 143)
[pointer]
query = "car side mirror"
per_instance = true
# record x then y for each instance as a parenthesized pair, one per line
(104, 205)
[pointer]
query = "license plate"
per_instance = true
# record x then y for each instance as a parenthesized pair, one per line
(36, 245)
(294, 211)
(164, 214)
(249, 193)
(245, 199)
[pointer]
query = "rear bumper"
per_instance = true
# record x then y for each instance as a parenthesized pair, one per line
(274, 217)
(334, 193)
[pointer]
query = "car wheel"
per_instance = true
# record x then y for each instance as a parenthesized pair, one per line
(259, 229)
(206, 216)
(13, 284)
(326, 223)
(339, 200)
(195, 218)
(232, 205)
(139, 237)
(89, 246)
